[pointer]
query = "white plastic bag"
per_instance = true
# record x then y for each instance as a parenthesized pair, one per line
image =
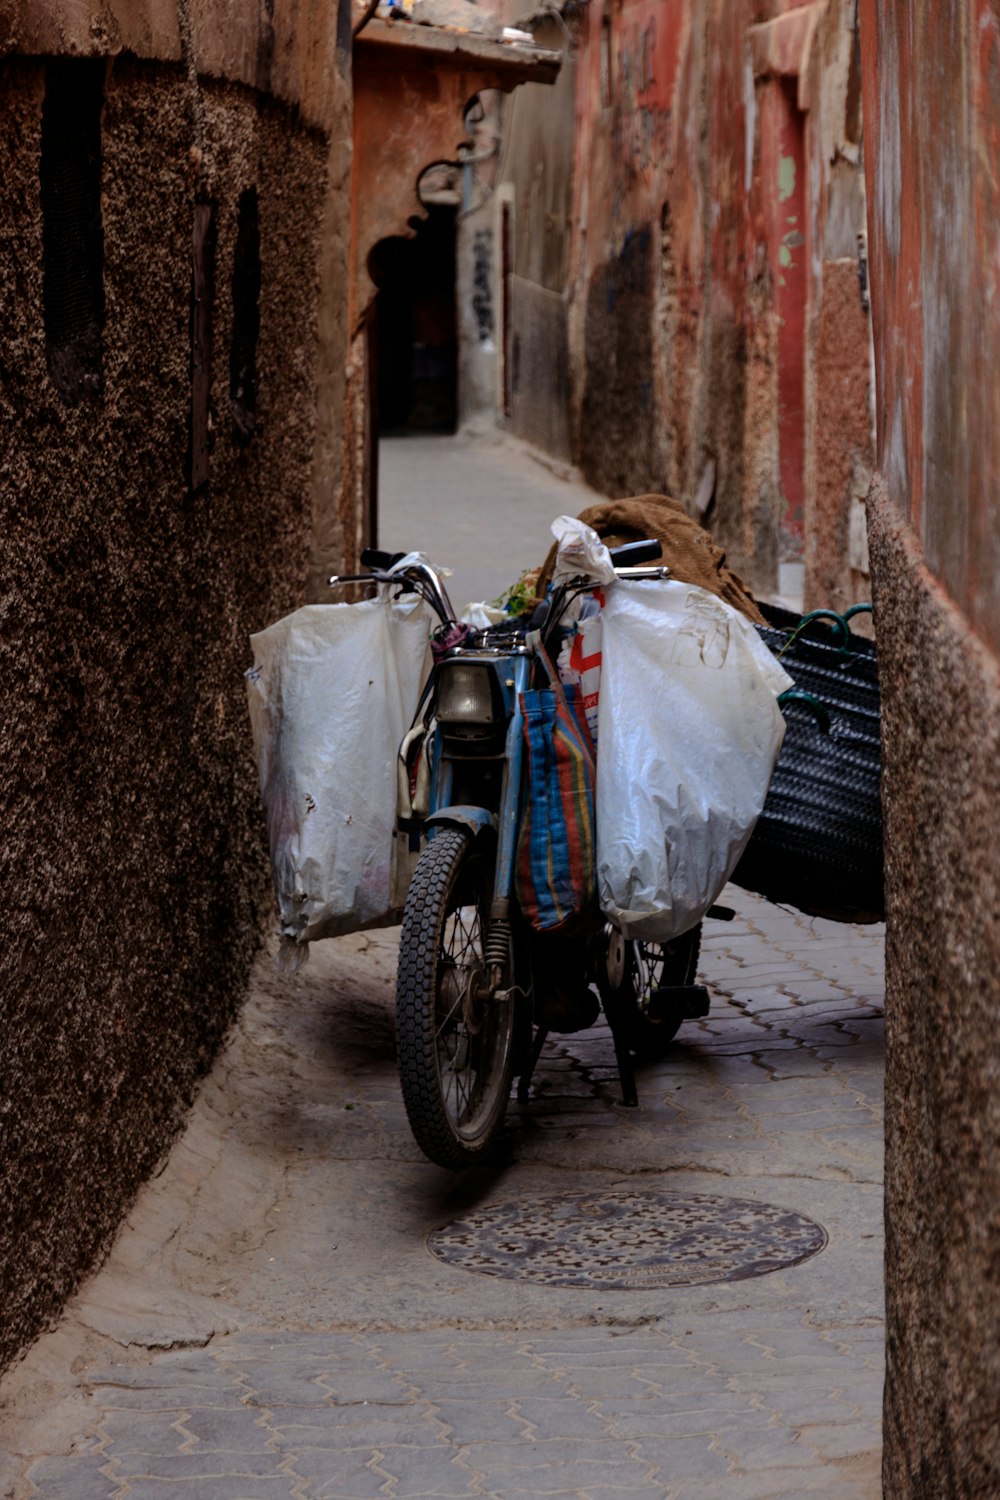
(332, 692)
(580, 665)
(689, 734)
(579, 550)
(481, 615)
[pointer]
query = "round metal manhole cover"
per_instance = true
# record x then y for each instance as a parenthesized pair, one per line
(628, 1240)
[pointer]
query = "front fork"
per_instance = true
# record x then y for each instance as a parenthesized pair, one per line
(499, 947)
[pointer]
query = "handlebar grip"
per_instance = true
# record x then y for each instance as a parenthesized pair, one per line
(371, 557)
(632, 553)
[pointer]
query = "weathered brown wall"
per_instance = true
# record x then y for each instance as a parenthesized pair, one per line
(673, 325)
(839, 454)
(701, 321)
(932, 122)
(941, 792)
(839, 400)
(538, 154)
(641, 261)
(133, 871)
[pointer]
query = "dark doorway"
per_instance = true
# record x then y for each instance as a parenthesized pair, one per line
(416, 327)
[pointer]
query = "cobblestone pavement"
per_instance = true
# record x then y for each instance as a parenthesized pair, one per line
(339, 1359)
(484, 508)
(272, 1323)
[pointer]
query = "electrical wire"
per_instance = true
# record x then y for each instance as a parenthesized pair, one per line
(369, 10)
(501, 143)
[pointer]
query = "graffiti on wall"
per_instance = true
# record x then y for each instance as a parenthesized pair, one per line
(482, 284)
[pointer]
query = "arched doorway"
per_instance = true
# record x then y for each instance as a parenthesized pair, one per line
(415, 329)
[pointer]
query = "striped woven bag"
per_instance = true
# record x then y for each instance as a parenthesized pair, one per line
(554, 873)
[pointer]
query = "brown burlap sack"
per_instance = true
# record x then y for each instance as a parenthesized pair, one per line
(688, 549)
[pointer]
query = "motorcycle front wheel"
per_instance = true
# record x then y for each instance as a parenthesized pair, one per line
(454, 1039)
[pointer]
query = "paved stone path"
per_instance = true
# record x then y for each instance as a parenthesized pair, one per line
(577, 1413)
(479, 1387)
(481, 508)
(271, 1322)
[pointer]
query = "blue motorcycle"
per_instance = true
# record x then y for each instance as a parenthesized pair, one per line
(477, 990)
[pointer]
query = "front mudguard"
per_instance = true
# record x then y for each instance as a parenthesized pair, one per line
(472, 820)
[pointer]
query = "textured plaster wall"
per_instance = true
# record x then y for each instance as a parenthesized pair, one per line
(287, 50)
(538, 157)
(479, 310)
(941, 792)
(665, 278)
(840, 448)
(539, 356)
(716, 345)
(839, 399)
(513, 300)
(134, 875)
(932, 123)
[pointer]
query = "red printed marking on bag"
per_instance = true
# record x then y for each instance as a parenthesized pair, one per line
(578, 661)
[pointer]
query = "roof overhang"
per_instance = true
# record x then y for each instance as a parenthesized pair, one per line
(412, 86)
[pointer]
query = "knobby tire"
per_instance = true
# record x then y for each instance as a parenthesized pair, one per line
(451, 869)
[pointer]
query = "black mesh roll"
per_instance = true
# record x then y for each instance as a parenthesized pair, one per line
(818, 842)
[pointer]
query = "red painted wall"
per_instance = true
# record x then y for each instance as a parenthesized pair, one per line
(705, 131)
(932, 107)
(716, 199)
(661, 247)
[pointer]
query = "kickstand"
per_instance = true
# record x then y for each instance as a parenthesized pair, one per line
(623, 1057)
(524, 1082)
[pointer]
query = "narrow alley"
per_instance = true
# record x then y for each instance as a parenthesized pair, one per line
(300, 1306)
(287, 285)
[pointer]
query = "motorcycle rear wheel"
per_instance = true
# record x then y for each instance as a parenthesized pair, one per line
(455, 1041)
(631, 971)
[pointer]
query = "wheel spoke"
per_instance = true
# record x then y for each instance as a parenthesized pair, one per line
(631, 971)
(459, 1048)
(650, 970)
(441, 1030)
(455, 1043)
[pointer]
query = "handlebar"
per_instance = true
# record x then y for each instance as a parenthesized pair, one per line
(624, 559)
(415, 578)
(418, 577)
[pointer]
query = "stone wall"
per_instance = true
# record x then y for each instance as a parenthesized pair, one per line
(514, 238)
(538, 157)
(165, 448)
(701, 326)
(941, 793)
(932, 116)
